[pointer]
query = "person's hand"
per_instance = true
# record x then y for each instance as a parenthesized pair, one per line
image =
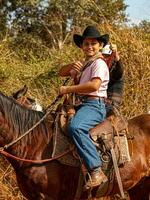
(77, 66)
(63, 90)
(108, 101)
(113, 47)
(115, 52)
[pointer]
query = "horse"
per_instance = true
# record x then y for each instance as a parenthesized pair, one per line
(40, 178)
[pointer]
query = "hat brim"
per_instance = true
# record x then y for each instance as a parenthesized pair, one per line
(78, 39)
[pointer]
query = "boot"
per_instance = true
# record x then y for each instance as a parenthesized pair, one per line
(97, 177)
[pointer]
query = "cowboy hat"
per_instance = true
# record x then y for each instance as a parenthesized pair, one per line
(90, 32)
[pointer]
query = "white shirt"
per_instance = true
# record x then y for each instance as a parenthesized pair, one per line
(98, 69)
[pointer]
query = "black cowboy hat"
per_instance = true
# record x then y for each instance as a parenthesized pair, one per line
(90, 32)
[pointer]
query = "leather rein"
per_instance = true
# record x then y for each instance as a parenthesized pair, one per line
(5, 153)
(48, 111)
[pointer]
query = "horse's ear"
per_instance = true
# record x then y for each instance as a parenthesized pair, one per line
(25, 89)
(21, 92)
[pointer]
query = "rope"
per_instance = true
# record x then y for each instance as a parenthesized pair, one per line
(19, 138)
(34, 161)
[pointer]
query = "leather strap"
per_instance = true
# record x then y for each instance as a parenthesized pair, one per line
(117, 173)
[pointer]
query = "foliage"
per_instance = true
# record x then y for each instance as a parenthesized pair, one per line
(52, 21)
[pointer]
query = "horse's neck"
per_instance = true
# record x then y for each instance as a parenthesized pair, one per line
(30, 148)
(15, 121)
(34, 145)
(6, 135)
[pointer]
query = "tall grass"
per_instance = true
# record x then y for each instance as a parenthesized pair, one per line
(19, 66)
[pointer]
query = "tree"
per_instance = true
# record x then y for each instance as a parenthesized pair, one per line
(54, 20)
(63, 16)
(4, 7)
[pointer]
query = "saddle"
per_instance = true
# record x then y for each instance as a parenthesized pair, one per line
(113, 132)
(110, 133)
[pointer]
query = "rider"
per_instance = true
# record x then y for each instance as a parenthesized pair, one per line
(93, 75)
(116, 83)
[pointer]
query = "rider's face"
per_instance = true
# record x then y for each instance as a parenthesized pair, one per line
(91, 46)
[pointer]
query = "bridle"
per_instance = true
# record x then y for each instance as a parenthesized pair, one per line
(23, 100)
(49, 109)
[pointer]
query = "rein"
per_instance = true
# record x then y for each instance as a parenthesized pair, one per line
(35, 161)
(48, 111)
(27, 132)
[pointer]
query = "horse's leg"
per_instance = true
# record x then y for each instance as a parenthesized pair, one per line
(41, 183)
(31, 193)
(139, 193)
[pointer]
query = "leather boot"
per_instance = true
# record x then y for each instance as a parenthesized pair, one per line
(97, 177)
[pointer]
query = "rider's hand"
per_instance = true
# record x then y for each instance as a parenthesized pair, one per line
(63, 90)
(76, 68)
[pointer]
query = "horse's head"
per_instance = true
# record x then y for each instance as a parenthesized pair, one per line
(15, 120)
(30, 103)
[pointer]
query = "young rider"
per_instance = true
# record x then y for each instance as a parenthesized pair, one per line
(93, 77)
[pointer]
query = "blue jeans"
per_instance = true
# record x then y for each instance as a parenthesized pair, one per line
(88, 114)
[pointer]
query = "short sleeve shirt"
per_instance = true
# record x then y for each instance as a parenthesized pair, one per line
(98, 69)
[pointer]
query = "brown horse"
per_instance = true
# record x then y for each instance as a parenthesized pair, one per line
(53, 180)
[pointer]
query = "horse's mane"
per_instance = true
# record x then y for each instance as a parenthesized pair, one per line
(20, 119)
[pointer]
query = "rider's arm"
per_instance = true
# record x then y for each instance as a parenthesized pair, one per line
(118, 70)
(88, 87)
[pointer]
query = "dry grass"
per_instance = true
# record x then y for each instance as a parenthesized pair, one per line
(17, 69)
(8, 186)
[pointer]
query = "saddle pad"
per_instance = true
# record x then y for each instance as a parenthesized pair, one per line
(63, 143)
